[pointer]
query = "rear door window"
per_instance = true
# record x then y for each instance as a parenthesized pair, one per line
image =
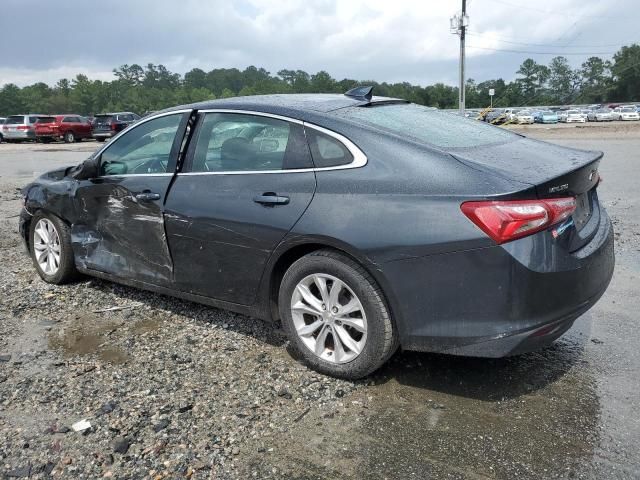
(230, 142)
(46, 120)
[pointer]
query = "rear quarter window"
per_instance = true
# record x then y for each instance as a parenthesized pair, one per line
(327, 151)
(428, 125)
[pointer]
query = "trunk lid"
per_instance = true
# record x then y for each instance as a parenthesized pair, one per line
(554, 171)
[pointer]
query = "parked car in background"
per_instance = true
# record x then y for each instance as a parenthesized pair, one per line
(495, 116)
(510, 113)
(545, 116)
(562, 115)
(18, 128)
(251, 209)
(625, 113)
(523, 117)
(2, 119)
(573, 116)
(108, 125)
(70, 128)
(584, 112)
(600, 115)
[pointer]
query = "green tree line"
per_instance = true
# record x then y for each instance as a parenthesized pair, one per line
(142, 89)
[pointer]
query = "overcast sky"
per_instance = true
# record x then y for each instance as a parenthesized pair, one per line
(385, 40)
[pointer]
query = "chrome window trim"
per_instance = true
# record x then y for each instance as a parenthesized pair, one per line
(359, 158)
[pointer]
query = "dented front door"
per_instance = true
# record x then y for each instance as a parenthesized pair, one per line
(121, 231)
(120, 228)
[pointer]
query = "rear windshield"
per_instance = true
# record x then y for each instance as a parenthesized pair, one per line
(572, 112)
(46, 120)
(14, 120)
(428, 125)
(103, 118)
(547, 112)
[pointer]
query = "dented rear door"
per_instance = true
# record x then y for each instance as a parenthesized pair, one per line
(120, 228)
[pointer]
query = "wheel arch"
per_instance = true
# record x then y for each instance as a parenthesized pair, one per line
(288, 253)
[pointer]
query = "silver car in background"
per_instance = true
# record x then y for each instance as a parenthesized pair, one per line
(600, 115)
(17, 128)
(2, 119)
(524, 117)
(625, 113)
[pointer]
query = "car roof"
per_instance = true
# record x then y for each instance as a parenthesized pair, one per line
(289, 104)
(113, 113)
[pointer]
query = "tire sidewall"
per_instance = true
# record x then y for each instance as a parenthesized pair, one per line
(66, 265)
(373, 352)
(69, 137)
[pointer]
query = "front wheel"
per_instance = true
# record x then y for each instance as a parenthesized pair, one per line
(69, 137)
(335, 315)
(50, 246)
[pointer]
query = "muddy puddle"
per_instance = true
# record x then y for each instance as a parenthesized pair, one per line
(437, 416)
(89, 336)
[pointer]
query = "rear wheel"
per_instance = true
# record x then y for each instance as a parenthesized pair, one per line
(69, 137)
(50, 246)
(335, 315)
(100, 139)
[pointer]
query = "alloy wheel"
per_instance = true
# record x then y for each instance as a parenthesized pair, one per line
(46, 246)
(329, 318)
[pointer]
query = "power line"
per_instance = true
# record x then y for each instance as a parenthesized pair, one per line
(498, 39)
(531, 52)
(551, 12)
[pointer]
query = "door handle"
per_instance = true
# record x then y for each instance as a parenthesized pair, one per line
(270, 199)
(147, 196)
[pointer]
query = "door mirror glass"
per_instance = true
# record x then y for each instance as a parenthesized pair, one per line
(143, 150)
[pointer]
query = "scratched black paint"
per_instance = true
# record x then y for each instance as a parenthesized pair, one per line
(450, 288)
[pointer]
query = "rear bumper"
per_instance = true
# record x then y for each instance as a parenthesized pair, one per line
(108, 134)
(501, 300)
(18, 135)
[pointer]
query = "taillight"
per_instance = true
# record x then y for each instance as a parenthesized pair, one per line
(508, 220)
(113, 126)
(24, 127)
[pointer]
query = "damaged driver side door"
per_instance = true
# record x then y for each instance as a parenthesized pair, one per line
(120, 229)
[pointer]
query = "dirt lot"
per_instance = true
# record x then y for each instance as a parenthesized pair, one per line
(173, 389)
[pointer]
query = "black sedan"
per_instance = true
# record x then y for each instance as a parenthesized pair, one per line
(361, 223)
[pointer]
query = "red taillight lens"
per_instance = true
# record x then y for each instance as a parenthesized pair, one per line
(24, 127)
(113, 126)
(508, 220)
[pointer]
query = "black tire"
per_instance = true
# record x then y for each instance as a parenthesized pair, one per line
(66, 270)
(69, 137)
(100, 139)
(382, 337)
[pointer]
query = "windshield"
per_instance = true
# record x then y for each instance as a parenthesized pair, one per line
(628, 109)
(428, 125)
(604, 110)
(547, 112)
(573, 112)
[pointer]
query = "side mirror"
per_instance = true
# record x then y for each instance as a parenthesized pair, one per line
(88, 169)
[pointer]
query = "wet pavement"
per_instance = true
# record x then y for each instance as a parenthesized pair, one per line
(571, 410)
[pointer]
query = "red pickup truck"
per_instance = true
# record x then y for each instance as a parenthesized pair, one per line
(70, 128)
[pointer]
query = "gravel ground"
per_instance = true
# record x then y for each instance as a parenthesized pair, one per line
(172, 389)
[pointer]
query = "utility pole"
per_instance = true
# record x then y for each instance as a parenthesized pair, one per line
(459, 24)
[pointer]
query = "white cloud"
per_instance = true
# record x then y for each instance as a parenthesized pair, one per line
(405, 40)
